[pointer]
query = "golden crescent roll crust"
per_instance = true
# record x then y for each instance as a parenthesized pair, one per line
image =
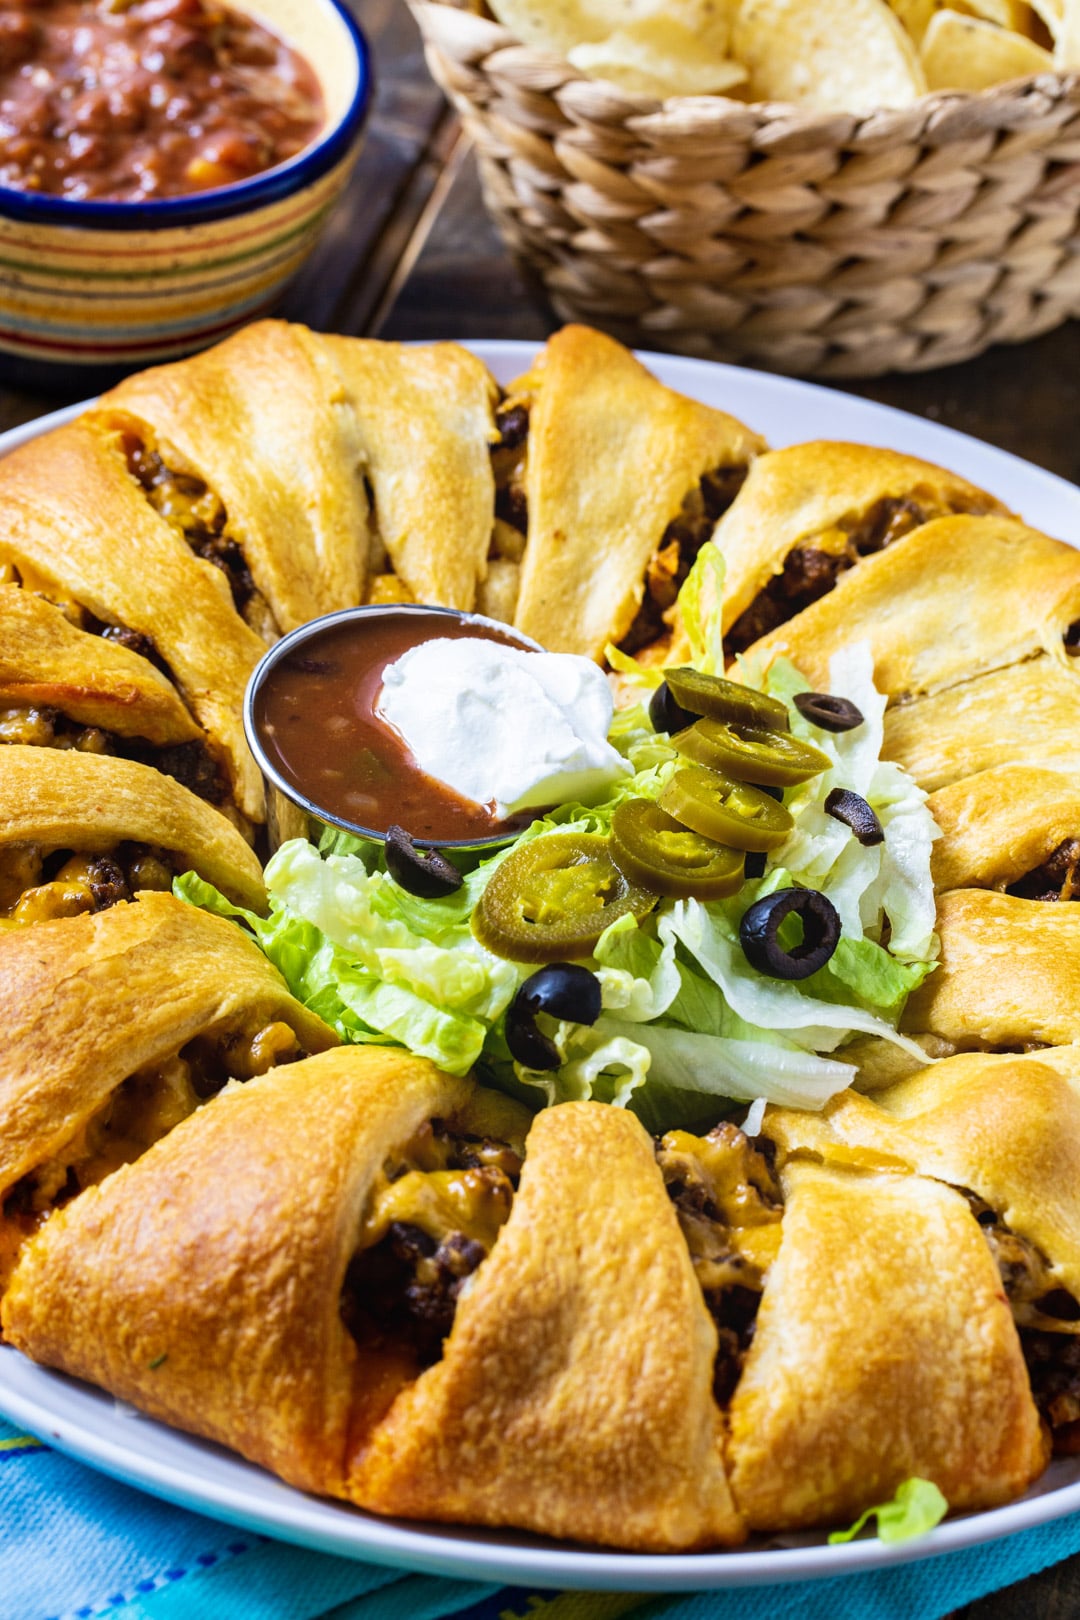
(612, 455)
(261, 1192)
(263, 420)
(1001, 824)
(1004, 1127)
(1009, 973)
(884, 1349)
(70, 510)
(86, 1001)
(1026, 715)
(45, 660)
(930, 605)
(425, 421)
(575, 1392)
(62, 799)
(816, 495)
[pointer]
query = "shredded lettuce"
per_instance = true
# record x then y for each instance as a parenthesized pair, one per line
(866, 885)
(916, 1508)
(700, 603)
(637, 677)
(686, 1022)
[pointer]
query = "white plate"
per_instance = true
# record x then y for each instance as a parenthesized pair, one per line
(91, 1426)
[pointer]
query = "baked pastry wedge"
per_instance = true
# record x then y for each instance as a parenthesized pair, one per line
(424, 421)
(116, 1026)
(250, 450)
(931, 607)
(1009, 975)
(807, 514)
(513, 1426)
(1004, 1132)
(79, 832)
(76, 526)
(328, 470)
(1028, 714)
(620, 482)
(47, 663)
(370, 1203)
(884, 1350)
(1013, 827)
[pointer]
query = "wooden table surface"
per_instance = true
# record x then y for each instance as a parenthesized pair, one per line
(411, 253)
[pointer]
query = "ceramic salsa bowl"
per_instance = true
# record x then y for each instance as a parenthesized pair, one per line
(115, 284)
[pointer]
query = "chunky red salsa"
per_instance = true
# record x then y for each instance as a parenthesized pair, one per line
(316, 715)
(128, 100)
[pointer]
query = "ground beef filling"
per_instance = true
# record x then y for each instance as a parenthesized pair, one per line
(1038, 1303)
(1053, 1364)
(497, 593)
(809, 574)
(38, 885)
(674, 557)
(190, 763)
(434, 1219)
(730, 1209)
(509, 455)
(1055, 879)
(19, 574)
(186, 503)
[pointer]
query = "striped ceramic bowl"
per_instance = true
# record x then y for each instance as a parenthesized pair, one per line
(99, 284)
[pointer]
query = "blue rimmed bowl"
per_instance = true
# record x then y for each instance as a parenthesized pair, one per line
(100, 284)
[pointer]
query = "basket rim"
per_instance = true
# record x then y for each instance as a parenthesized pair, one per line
(1053, 84)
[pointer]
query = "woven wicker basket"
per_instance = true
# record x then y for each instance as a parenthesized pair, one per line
(825, 244)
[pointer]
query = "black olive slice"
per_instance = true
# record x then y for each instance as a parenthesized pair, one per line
(853, 810)
(828, 713)
(666, 714)
(423, 872)
(754, 865)
(761, 924)
(1071, 639)
(564, 990)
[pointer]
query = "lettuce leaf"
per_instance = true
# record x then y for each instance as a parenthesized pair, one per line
(916, 1508)
(439, 1015)
(700, 605)
(816, 1013)
(889, 881)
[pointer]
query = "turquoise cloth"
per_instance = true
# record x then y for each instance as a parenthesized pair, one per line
(75, 1545)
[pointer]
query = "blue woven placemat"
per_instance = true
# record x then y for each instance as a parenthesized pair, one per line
(75, 1544)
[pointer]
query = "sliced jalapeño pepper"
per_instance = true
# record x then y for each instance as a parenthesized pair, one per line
(662, 855)
(731, 812)
(552, 899)
(751, 753)
(725, 700)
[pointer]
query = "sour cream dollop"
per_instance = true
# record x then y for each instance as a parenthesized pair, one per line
(511, 729)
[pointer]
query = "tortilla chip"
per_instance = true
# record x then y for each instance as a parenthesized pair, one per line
(915, 15)
(966, 53)
(659, 57)
(1011, 14)
(1066, 35)
(561, 25)
(835, 55)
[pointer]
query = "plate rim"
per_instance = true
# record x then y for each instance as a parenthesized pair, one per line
(55, 1406)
